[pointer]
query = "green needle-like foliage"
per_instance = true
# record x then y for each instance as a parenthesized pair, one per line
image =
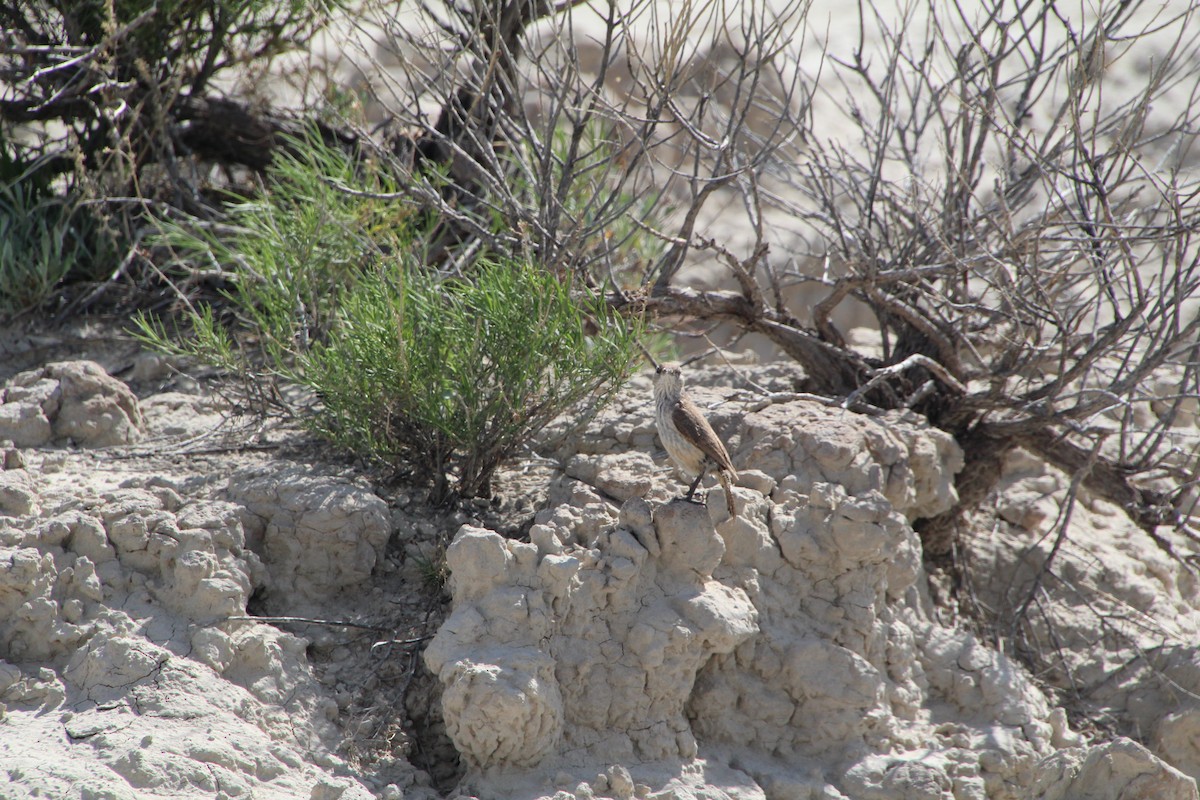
(449, 375)
(43, 238)
(456, 375)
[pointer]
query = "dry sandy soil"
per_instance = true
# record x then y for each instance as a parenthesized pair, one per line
(594, 638)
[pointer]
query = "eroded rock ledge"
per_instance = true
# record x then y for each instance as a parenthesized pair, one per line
(121, 676)
(635, 646)
(666, 650)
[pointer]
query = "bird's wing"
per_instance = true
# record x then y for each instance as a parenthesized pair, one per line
(692, 425)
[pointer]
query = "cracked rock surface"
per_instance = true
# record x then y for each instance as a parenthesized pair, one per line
(642, 645)
(109, 654)
(120, 675)
(69, 400)
(624, 644)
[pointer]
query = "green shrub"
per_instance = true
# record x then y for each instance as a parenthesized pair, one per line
(38, 247)
(450, 375)
(44, 238)
(106, 100)
(455, 375)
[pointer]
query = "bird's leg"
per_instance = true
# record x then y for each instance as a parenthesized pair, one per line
(695, 483)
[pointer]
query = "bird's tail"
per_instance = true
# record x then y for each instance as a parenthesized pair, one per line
(723, 476)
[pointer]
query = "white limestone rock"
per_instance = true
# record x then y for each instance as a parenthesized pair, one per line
(822, 675)
(27, 404)
(75, 401)
(634, 649)
(1118, 770)
(182, 414)
(18, 496)
(619, 475)
(317, 535)
(110, 637)
(586, 653)
(1123, 616)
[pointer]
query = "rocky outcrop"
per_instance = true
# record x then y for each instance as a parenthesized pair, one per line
(116, 677)
(318, 536)
(69, 401)
(573, 651)
(790, 652)
(634, 646)
(1117, 770)
(1116, 617)
(120, 674)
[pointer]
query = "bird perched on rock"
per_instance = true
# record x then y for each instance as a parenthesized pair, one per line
(690, 441)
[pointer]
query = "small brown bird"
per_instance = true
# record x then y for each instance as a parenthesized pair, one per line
(690, 441)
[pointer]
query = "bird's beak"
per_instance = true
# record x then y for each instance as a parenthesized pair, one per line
(649, 357)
